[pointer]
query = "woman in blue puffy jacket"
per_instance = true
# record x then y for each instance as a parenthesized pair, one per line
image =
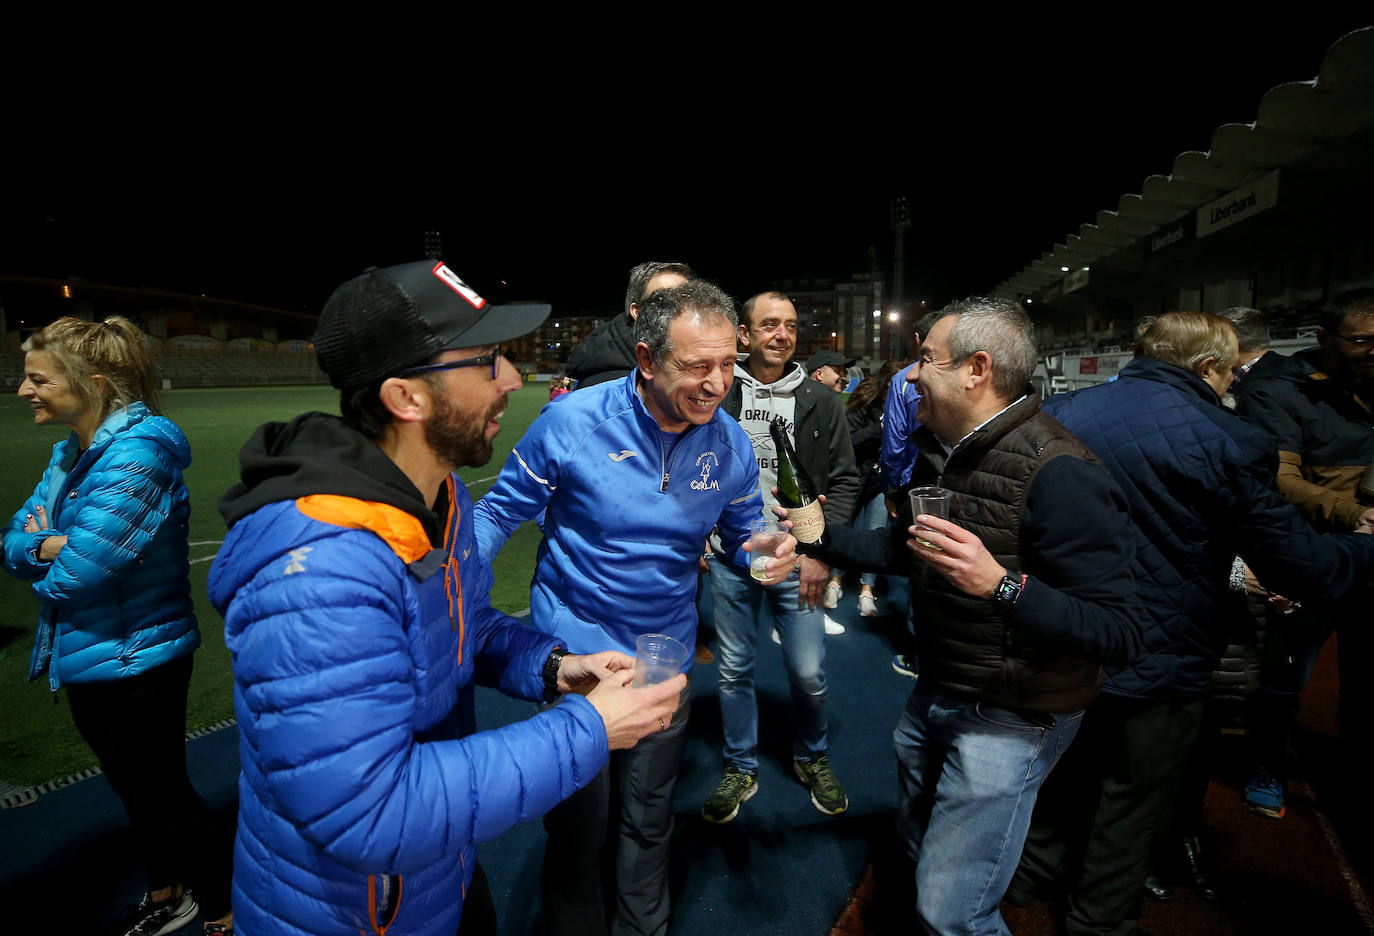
(103, 538)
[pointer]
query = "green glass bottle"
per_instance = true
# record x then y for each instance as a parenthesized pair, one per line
(797, 493)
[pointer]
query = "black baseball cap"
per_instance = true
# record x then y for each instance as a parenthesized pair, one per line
(821, 358)
(391, 318)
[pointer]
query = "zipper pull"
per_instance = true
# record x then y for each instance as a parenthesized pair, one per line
(664, 486)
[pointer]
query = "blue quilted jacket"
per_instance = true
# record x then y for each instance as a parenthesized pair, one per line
(1200, 485)
(356, 644)
(116, 601)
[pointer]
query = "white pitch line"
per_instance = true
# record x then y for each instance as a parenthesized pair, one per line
(205, 543)
(204, 558)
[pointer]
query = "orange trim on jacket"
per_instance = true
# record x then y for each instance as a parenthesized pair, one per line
(402, 531)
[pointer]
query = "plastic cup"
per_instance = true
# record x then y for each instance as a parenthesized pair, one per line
(765, 536)
(934, 501)
(657, 657)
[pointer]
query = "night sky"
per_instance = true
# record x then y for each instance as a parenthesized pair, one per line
(758, 168)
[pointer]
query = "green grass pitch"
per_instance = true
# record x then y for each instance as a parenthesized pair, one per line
(37, 739)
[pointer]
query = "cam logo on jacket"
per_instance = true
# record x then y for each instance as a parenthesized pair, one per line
(706, 461)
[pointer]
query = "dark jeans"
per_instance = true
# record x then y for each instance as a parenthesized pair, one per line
(1098, 814)
(628, 810)
(137, 729)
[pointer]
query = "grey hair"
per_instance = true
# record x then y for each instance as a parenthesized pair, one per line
(640, 276)
(705, 301)
(999, 327)
(1251, 325)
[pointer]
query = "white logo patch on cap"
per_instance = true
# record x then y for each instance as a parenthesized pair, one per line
(458, 286)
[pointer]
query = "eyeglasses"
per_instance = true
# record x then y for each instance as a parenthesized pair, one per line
(1359, 341)
(492, 360)
(925, 360)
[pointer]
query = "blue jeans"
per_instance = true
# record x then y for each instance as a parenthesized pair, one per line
(968, 774)
(738, 600)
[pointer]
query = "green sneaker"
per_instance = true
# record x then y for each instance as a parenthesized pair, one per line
(826, 793)
(734, 788)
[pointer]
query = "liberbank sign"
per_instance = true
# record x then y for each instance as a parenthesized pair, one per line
(1246, 201)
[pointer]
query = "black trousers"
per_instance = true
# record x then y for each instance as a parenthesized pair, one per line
(479, 912)
(1095, 822)
(137, 729)
(621, 820)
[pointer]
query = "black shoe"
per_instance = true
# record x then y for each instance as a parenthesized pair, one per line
(1157, 889)
(156, 919)
(1199, 879)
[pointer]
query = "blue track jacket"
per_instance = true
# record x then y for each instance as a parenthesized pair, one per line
(626, 520)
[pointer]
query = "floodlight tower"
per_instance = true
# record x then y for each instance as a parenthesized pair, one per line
(899, 216)
(434, 245)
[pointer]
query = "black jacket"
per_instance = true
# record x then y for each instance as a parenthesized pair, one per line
(866, 432)
(1325, 435)
(1044, 507)
(607, 353)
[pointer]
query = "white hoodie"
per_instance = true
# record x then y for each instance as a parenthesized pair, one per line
(760, 404)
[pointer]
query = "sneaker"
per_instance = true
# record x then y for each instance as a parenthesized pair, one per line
(218, 929)
(704, 656)
(833, 594)
(826, 793)
(868, 605)
(832, 626)
(734, 788)
(1264, 794)
(154, 919)
(904, 665)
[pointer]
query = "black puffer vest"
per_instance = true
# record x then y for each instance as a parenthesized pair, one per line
(967, 647)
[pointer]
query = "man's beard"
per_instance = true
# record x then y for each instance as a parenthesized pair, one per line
(457, 439)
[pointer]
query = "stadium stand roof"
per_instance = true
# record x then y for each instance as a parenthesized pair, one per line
(1324, 125)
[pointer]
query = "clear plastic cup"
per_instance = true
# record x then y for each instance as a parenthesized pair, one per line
(658, 657)
(934, 501)
(765, 536)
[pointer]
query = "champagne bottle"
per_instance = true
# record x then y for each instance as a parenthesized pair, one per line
(797, 494)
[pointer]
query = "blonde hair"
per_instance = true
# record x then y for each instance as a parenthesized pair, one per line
(1188, 339)
(113, 350)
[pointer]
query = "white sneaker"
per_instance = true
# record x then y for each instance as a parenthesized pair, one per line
(833, 594)
(832, 626)
(868, 606)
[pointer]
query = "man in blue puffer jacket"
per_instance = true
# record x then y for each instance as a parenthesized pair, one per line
(1201, 488)
(357, 612)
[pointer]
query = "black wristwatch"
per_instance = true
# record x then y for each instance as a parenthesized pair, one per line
(551, 665)
(1008, 590)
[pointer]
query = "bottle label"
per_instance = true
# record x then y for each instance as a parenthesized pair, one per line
(808, 523)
